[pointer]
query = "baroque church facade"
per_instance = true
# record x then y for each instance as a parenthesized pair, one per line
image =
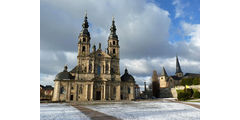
(96, 75)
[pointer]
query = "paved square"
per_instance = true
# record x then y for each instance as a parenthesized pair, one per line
(142, 110)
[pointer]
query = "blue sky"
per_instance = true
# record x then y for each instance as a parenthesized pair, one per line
(157, 30)
(190, 13)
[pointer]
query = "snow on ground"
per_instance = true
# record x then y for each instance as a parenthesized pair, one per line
(149, 110)
(56, 111)
(197, 103)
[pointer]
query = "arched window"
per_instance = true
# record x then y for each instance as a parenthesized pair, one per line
(107, 67)
(90, 67)
(112, 70)
(114, 51)
(98, 70)
(62, 90)
(84, 39)
(129, 90)
(113, 42)
(83, 49)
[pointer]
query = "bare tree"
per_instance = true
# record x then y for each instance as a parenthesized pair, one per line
(155, 84)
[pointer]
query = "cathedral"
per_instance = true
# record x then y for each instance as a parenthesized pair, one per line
(96, 75)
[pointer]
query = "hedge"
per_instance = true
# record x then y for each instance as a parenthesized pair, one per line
(187, 94)
(196, 94)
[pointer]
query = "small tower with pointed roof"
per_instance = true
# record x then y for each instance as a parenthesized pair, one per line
(179, 72)
(163, 78)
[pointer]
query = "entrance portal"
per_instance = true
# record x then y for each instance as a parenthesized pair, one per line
(71, 97)
(98, 95)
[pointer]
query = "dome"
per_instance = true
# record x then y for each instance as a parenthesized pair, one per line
(127, 77)
(64, 75)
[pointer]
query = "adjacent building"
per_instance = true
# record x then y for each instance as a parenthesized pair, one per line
(46, 92)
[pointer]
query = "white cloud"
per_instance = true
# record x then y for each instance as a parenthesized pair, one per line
(47, 79)
(136, 66)
(71, 58)
(193, 31)
(178, 8)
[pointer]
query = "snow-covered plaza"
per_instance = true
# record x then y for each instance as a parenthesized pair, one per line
(142, 110)
(57, 111)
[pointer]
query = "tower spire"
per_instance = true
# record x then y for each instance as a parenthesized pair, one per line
(113, 30)
(164, 73)
(178, 67)
(85, 26)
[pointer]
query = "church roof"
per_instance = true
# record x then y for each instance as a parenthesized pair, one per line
(178, 67)
(113, 31)
(76, 69)
(127, 77)
(85, 27)
(164, 73)
(175, 77)
(64, 75)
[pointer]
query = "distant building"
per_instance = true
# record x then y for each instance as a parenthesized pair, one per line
(137, 91)
(167, 82)
(46, 92)
(147, 93)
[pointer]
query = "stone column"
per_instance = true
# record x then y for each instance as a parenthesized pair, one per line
(104, 67)
(86, 92)
(109, 93)
(56, 91)
(91, 96)
(109, 68)
(92, 66)
(87, 66)
(104, 91)
(118, 92)
(68, 91)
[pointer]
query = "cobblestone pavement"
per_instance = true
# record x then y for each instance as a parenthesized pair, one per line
(94, 115)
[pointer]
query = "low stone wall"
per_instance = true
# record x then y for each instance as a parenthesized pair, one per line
(174, 92)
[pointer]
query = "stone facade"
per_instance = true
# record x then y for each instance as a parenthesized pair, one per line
(163, 78)
(97, 74)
